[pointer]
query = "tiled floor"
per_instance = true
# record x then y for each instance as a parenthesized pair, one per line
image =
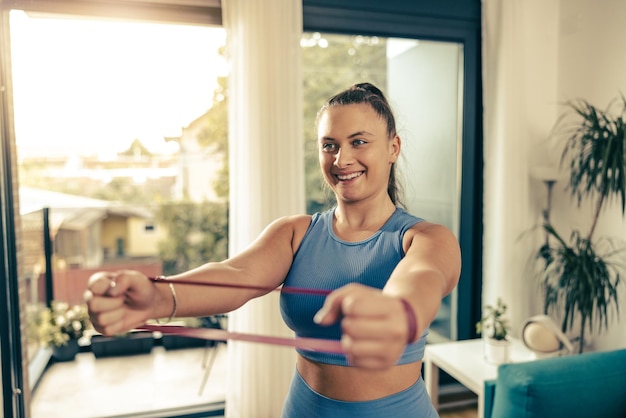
(136, 386)
(122, 386)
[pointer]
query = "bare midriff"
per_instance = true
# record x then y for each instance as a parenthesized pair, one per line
(356, 384)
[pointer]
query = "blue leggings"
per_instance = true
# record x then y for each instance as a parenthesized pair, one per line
(304, 402)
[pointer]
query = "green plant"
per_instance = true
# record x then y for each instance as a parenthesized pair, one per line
(61, 322)
(493, 322)
(581, 278)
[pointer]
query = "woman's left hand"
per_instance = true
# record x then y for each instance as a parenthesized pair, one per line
(374, 325)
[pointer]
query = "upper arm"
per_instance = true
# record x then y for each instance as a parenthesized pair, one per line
(432, 251)
(433, 246)
(268, 259)
(262, 266)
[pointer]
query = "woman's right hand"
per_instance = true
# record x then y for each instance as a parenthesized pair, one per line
(120, 301)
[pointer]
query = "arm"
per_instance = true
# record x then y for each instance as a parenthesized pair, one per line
(134, 299)
(429, 271)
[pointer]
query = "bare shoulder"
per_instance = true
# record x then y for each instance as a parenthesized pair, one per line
(429, 231)
(294, 223)
(434, 245)
(293, 226)
(427, 236)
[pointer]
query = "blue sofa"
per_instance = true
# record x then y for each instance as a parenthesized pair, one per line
(589, 385)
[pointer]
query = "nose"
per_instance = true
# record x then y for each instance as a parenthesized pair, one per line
(343, 158)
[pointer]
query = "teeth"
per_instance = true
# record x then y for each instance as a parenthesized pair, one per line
(349, 176)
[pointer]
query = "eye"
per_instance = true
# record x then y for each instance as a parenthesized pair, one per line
(329, 147)
(358, 142)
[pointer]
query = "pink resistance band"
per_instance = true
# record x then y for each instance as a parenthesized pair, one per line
(309, 344)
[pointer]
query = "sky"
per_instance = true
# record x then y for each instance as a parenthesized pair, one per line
(93, 86)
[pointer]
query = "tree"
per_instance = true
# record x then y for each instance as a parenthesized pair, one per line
(330, 64)
(197, 233)
(214, 133)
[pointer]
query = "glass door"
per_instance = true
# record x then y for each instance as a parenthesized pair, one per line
(120, 129)
(423, 81)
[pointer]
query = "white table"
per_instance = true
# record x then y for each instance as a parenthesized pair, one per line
(464, 361)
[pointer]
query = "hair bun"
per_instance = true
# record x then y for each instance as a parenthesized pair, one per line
(369, 88)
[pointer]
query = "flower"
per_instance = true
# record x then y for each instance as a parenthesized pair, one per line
(493, 322)
(60, 323)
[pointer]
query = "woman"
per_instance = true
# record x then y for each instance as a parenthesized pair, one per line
(388, 271)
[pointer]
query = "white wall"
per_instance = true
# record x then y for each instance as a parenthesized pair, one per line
(549, 51)
(592, 65)
(519, 89)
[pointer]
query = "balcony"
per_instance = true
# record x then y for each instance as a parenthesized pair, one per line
(163, 383)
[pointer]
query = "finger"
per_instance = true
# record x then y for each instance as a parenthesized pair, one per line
(374, 328)
(331, 310)
(100, 283)
(340, 302)
(370, 354)
(111, 322)
(104, 303)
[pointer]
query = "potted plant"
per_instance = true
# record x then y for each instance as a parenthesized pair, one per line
(581, 276)
(131, 343)
(174, 342)
(60, 326)
(494, 328)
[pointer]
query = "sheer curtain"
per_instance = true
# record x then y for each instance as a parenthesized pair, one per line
(266, 180)
(519, 93)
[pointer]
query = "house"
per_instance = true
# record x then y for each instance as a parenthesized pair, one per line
(85, 235)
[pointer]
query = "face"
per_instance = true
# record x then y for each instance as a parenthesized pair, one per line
(355, 152)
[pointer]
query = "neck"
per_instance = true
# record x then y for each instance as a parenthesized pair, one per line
(363, 215)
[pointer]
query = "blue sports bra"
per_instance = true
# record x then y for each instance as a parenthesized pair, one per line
(324, 261)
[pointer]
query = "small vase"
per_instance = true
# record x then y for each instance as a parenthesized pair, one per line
(496, 351)
(66, 352)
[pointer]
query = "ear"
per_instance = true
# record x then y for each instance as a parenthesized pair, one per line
(394, 149)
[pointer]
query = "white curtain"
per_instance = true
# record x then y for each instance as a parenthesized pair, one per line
(519, 88)
(266, 180)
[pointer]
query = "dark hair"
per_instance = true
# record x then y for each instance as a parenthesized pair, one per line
(372, 95)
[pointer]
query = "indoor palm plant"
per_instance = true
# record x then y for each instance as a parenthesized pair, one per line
(581, 276)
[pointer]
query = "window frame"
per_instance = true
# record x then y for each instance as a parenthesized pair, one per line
(202, 12)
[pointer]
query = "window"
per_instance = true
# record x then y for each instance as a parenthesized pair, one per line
(121, 138)
(423, 81)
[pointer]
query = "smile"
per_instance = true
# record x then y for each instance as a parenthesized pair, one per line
(350, 176)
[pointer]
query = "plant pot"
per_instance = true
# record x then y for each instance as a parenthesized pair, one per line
(65, 352)
(496, 351)
(174, 342)
(125, 345)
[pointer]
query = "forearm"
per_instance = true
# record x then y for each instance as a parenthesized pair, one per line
(203, 299)
(424, 293)
(262, 267)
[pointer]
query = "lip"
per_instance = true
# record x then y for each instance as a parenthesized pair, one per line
(348, 176)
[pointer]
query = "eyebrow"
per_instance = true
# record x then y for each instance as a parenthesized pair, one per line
(359, 133)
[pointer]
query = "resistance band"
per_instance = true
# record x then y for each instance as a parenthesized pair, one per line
(309, 344)
(284, 289)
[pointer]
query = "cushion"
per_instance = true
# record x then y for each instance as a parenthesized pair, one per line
(575, 386)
